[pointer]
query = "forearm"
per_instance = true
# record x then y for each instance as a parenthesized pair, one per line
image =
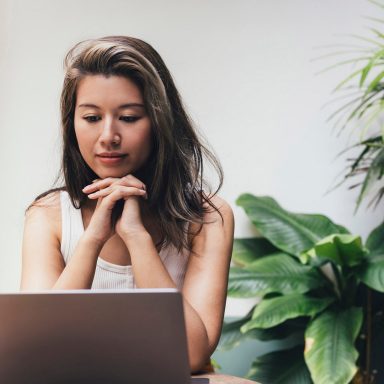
(80, 270)
(150, 272)
(148, 268)
(197, 338)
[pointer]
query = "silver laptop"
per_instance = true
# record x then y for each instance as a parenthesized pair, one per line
(100, 336)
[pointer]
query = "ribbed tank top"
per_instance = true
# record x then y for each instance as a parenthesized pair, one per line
(108, 275)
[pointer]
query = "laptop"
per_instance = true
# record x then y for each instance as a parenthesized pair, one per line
(99, 336)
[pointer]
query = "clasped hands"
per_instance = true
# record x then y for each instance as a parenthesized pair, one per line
(108, 192)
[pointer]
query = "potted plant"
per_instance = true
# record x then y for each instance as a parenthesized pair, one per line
(315, 280)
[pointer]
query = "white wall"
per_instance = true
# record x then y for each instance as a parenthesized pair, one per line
(244, 69)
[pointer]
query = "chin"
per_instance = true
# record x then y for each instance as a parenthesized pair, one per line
(112, 172)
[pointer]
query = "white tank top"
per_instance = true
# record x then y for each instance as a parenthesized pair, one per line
(108, 275)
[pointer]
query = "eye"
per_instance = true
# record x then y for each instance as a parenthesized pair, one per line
(92, 119)
(129, 119)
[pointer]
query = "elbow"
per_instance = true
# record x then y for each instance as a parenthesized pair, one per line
(197, 362)
(197, 366)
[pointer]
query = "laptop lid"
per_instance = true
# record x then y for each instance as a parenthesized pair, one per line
(100, 336)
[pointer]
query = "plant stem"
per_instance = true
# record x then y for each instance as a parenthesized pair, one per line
(369, 338)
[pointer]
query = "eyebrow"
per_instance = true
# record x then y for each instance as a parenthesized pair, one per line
(128, 105)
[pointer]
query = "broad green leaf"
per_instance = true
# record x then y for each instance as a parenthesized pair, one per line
(290, 232)
(245, 251)
(271, 312)
(277, 273)
(372, 272)
(231, 335)
(375, 241)
(330, 353)
(343, 250)
(290, 328)
(281, 367)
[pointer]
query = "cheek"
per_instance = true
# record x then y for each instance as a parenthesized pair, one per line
(147, 143)
(142, 138)
(83, 140)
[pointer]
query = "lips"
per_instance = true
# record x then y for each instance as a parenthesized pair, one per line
(111, 159)
(111, 154)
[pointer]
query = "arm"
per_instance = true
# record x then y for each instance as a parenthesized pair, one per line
(205, 285)
(43, 266)
(42, 262)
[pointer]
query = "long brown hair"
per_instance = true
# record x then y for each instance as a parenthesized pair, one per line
(178, 193)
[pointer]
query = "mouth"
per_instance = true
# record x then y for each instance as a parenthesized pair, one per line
(111, 158)
(111, 154)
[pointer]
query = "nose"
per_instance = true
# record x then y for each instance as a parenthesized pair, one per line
(110, 136)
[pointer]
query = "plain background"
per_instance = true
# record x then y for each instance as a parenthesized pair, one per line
(247, 71)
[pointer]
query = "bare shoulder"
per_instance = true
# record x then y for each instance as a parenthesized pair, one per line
(218, 216)
(46, 213)
(220, 209)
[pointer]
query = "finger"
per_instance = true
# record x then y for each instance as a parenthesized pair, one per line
(128, 180)
(132, 181)
(110, 201)
(99, 184)
(123, 190)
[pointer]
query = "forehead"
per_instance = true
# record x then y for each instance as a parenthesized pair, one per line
(111, 90)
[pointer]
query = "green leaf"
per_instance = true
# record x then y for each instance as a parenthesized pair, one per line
(343, 250)
(293, 327)
(231, 336)
(330, 353)
(282, 367)
(271, 312)
(347, 79)
(215, 365)
(375, 241)
(371, 63)
(376, 3)
(278, 273)
(375, 173)
(372, 272)
(290, 232)
(245, 251)
(373, 84)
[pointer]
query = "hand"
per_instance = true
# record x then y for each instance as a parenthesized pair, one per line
(108, 192)
(130, 222)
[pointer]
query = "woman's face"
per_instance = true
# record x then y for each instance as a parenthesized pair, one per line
(111, 125)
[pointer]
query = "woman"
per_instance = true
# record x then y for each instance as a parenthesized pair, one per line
(132, 212)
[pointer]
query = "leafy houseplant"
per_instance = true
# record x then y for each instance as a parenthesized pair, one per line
(363, 110)
(314, 279)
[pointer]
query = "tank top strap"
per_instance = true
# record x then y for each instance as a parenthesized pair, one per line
(71, 224)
